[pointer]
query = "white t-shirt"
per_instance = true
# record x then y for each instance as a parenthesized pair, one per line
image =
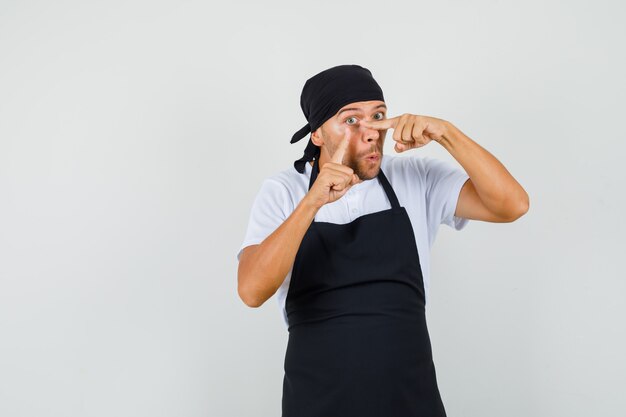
(427, 187)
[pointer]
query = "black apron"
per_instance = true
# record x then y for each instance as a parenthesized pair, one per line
(358, 343)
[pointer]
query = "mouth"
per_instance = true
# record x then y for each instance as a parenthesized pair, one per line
(373, 157)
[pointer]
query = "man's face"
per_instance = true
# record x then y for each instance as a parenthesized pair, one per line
(365, 142)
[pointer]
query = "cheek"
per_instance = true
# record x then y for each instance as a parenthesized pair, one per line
(337, 129)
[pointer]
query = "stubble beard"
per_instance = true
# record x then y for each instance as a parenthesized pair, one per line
(363, 168)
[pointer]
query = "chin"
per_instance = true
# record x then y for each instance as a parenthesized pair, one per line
(369, 172)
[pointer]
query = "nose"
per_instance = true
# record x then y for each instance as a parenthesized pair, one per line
(369, 134)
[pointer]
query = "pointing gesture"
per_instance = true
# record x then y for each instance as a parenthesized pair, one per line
(410, 130)
(337, 157)
(334, 178)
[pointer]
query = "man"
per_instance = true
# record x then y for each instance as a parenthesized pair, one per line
(345, 237)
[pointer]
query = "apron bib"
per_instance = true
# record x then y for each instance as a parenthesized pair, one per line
(358, 342)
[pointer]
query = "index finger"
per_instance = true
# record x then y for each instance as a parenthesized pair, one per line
(343, 145)
(381, 124)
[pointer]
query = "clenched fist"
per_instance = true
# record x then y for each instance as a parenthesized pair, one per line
(334, 178)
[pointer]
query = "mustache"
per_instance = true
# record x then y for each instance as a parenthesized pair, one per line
(372, 149)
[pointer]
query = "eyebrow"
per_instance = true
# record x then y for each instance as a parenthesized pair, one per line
(356, 109)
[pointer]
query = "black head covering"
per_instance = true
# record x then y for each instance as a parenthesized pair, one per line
(327, 92)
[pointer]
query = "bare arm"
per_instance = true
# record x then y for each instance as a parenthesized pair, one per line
(263, 267)
(490, 194)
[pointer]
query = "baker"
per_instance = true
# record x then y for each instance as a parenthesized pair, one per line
(343, 238)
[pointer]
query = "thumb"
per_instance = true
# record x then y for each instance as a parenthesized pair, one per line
(399, 147)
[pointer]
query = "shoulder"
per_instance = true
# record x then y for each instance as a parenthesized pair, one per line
(416, 166)
(289, 179)
(404, 162)
(285, 188)
(403, 168)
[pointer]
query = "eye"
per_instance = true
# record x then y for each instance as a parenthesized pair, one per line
(382, 116)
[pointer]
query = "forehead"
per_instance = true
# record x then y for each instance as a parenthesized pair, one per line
(363, 105)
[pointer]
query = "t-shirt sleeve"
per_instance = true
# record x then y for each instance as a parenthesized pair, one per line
(271, 206)
(443, 183)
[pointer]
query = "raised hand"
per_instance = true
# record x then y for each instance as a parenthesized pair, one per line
(334, 178)
(410, 130)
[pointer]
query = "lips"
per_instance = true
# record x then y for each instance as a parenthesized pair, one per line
(373, 156)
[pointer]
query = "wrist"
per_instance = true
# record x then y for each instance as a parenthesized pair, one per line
(308, 205)
(447, 134)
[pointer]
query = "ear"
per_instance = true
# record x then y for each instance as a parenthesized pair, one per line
(316, 137)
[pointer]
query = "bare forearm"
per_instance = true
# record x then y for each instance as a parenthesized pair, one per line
(497, 188)
(264, 268)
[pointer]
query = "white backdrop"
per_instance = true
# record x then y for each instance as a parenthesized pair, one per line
(134, 136)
